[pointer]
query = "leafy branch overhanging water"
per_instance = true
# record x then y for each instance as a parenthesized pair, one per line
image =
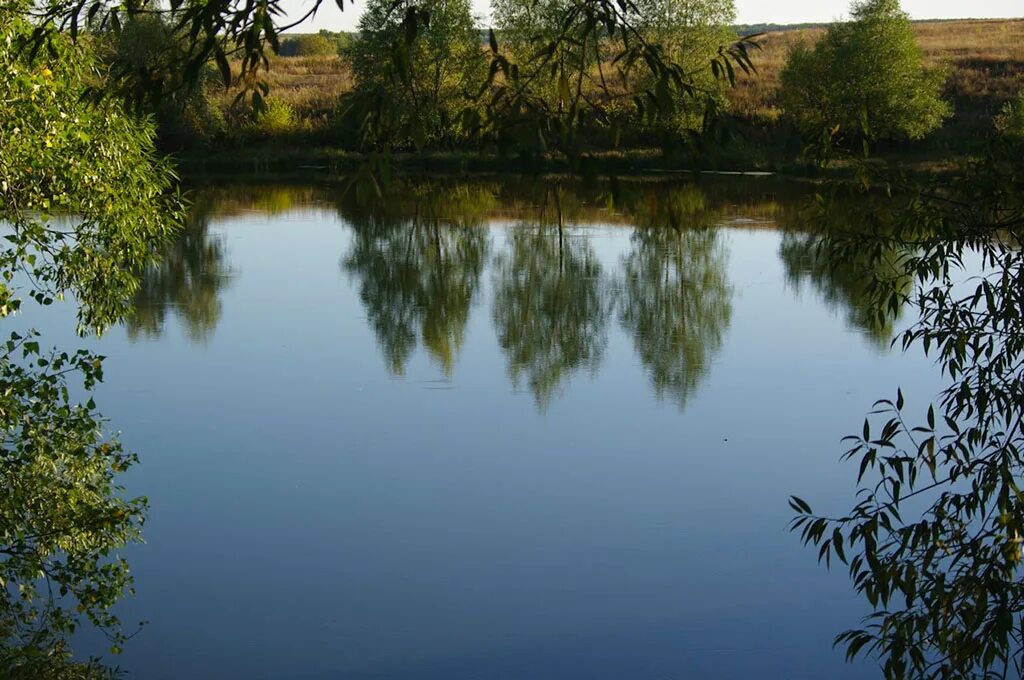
(934, 542)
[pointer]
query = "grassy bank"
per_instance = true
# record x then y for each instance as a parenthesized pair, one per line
(984, 60)
(271, 159)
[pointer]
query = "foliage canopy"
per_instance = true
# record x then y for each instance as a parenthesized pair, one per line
(864, 80)
(310, 45)
(418, 84)
(86, 206)
(587, 62)
(934, 540)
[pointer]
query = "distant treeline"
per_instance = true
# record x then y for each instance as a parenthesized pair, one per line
(319, 44)
(753, 29)
(967, 76)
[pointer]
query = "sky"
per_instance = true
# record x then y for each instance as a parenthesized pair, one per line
(748, 11)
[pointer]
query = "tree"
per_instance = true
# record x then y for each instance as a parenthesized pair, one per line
(691, 32)
(240, 38)
(441, 68)
(526, 26)
(587, 63)
(186, 115)
(310, 45)
(678, 25)
(864, 81)
(86, 206)
(1010, 121)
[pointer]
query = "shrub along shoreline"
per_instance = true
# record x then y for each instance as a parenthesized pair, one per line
(983, 61)
(268, 162)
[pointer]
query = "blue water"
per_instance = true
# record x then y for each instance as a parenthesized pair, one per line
(319, 510)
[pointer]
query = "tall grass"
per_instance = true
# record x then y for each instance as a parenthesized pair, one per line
(985, 59)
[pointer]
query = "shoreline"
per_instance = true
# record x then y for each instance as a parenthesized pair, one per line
(332, 163)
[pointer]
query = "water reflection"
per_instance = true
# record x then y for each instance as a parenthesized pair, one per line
(418, 261)
(676, 304)
(418, 279)
(551, 303)
(676, 301)
(843, 281)
(187, 282)
(516, 560)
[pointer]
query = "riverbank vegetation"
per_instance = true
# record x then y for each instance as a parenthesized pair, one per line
(977, 67)
(90, 206)
(933, 542)
(86, 205)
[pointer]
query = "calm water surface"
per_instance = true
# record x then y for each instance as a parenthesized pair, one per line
(445, 439)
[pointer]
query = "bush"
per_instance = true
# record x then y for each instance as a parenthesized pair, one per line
(278, 118)
(310, 45)
(185, 113)
(865, 80)
(1010, 121)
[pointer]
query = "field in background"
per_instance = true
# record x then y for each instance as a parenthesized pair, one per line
(985, 59)
(311, 86)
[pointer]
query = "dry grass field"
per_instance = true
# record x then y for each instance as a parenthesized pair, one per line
(985, 59)
(311, 86)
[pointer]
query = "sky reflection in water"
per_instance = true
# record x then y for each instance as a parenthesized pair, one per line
(449, 439)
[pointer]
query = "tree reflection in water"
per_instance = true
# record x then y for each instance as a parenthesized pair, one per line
(187, 282)
(418, 257)
(675, 298)
(418, 277)
(551, 303)
(844, 283)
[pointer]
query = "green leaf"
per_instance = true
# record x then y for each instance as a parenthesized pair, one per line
(225, 68)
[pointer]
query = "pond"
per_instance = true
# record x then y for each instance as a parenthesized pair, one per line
(492, 429)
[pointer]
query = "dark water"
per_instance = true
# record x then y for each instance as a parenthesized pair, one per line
(445, 439)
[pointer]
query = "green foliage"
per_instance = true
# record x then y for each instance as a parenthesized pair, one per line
(410, 69)
(688, 33)
(310, 45)
(934, 541)
(62, 155)
(342, 40)
(62, 515)
(436, 71)
(864, 81)
(691, 32)
(275, 119)
(185, 113)
(1010, 121)
(564, 48)
(583, 66)
(86, 207)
